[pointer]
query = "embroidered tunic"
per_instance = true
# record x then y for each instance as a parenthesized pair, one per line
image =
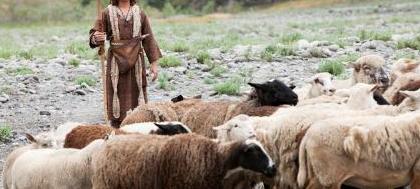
(129, 37)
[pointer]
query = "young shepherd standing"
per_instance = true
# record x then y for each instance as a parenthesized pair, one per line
(124, 74)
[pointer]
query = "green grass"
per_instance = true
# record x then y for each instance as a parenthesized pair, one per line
(6, 53)
(85, 80)
(5, 132)
(163, 82)
(23, 70)
(180, 46)
(74, 62)
(218, 71)
(81, 49)
(209, 81)
(332, 66)
(405, 54)
(230, 87)
(272, 51)
(412, 44)
(202, 57)
(291, 37)
(286, 50)
(6, 89)
(26, 55)
(372, 35)
(169, 61)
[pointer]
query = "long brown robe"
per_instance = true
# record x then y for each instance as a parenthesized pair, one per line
(128, 91)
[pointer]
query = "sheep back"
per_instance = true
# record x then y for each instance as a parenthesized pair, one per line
(83, 135)
(146, 161)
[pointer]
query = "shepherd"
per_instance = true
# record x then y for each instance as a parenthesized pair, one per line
(128, 29)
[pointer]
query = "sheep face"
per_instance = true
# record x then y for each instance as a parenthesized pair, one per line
(172, 128)
(322, 84)
(254, 157)
(42, 140)
(369, 69)
(238, 128)
(274, 93)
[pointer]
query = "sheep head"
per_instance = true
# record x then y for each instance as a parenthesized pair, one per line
(42, 140)
(321, 84)
(274, 93)
(412, 101)
(238, 128)
(370, 69)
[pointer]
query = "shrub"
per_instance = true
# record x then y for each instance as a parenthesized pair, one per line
(26, 55)
(5, 132)
(291, 37)
(230, 87)
(163, 81)
(169, 61)
(286, 50)
(412, 44)
(202, 57)
(85, 80)
(74, 62)
(180, 47)
(371, 35)
(217, 71)
(334, 67)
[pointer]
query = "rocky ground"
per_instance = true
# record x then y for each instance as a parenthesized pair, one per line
(47, 82)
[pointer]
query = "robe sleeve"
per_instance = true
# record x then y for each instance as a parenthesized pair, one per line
(149, 43)
(96, 27)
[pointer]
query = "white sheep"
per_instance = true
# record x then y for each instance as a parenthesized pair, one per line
(364, 152)
(238, 128)
(42, 140)
(367, 69)
(319, 84)
(55, 168)
(59, 134)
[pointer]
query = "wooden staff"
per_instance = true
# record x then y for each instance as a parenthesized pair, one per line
(102, 56)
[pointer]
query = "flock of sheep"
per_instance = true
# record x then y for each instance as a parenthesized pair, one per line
(357, 133)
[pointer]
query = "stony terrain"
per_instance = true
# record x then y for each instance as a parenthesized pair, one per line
(48, 75)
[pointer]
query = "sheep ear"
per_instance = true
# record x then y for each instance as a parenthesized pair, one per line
(374, 88)
(255, 85)
(219, 128)
(30, 138)
(292, 86)
(408, 94)
(354, 65)
(162, 126)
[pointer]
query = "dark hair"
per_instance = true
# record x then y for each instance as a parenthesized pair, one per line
(115, 2)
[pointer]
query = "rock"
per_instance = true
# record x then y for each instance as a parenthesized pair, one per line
(46, 113)
(320, 43)
(333, 48)
(402, 37)
(80, 92)
(181, 69)
(320, 52)
(70, 89)
(4, 98)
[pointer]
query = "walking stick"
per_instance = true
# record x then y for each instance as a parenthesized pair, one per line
(102, 56)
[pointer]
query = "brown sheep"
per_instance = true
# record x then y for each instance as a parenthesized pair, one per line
(83, 135)
(179, 162)
(272, 93)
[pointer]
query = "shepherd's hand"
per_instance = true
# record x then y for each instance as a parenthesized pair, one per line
(154, 70)
(99, 37)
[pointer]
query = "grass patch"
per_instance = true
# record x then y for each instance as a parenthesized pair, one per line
(26, 55)
(230, 87)
(372, 35)
(404, 54)
(85, 80)
(44, 51)
(209, 81)
(332, 66)
(23, 70)
(6, 90)
(163, 82)
(5, 132)
(81, 49)
(217, 71)
(202, 57)
(169, 61)
(6, 53)
(180, 47)
(412, 44)
(291, 37)
(272, 51)
(74, 62)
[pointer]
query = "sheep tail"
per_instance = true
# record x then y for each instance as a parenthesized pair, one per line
(302, 173)
(354, 141)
